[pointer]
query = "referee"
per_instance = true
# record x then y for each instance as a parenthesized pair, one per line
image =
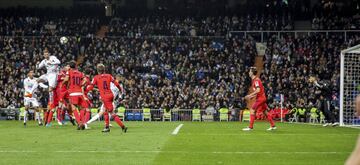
(324, 92)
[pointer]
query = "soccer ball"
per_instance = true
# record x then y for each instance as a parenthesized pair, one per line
(63, 40)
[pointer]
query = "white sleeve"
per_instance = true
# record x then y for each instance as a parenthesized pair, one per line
(25, 86)
(34, 87)
(54, 60)
(41, 65)
(42, 85)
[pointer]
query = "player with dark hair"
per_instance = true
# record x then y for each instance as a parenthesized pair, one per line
(76, 82)
(87, 94)
(260, 103)
(324, 93)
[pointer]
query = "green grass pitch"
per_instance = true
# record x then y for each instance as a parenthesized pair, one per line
(196, 143)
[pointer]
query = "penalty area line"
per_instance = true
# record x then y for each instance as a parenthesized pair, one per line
(177, 129)
(178, 152)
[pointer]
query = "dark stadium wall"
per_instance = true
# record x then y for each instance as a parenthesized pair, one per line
(36, 3)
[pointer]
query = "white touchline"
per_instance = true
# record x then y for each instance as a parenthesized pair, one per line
(178, 152)
(177, 129)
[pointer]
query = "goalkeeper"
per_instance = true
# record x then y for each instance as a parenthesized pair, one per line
(324, 92)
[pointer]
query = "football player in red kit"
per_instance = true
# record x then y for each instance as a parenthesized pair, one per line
(103, 82)
(76, 82)
(260, 103)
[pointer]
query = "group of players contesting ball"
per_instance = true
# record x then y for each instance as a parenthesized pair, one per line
(68, 91)
(69, 88)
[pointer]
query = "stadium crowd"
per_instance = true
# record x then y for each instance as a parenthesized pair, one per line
(158, 72)
(193, 26)
(177, 71)
(36, 26)
(289, 62)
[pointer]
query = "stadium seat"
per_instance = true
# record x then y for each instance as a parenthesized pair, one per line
(166, 115)
(94, 111)
(224, 114)
(129, 116)
(138, 116)
(121, 112)
(21, 113)
(245, 115)
(294, 111)
(146, 114)
(313, 115)
(302, 112)
(196, 115)
(322, 118)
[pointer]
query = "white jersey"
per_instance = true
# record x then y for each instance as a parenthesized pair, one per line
(52, 65)
(30, 86)
(115, 90)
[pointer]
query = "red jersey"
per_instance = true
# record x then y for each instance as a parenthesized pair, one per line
(60, 86)
(102, 81)
(75, 81)
(256, 83)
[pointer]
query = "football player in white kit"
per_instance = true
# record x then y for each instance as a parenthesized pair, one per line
(30, 99)
(52, 66)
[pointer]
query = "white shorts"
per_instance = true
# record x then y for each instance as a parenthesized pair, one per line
(33, 101)
(50, 78)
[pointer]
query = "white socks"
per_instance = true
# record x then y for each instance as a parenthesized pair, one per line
(25, 116)
(93, 119)
(38, 117)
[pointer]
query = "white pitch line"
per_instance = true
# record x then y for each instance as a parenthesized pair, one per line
(314, 124)
(177, 129)
(180, 152)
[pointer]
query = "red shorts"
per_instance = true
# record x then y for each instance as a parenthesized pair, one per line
(62, 95)
(79, 101)
(88, 103)
(260, 105)
(55, 102)
(108, 100)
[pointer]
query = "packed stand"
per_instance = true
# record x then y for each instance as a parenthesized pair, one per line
(158, 72)
(289, 62)
(331, 15)
(192, 26)
(177, 72)
(36, 26)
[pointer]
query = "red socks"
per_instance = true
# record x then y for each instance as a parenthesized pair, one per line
(107, 120)
(49, 117)
(87, 116)
(82, 115)
(118, 120)
(77, 116)
(270, 119)
(252, 120)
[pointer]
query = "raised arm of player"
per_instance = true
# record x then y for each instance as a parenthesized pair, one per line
(54, 60)
(92, 84)
(41, 65)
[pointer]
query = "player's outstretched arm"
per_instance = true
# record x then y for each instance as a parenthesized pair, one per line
(41, 65)
(54, 61)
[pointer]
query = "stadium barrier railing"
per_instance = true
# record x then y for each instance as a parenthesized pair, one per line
(147, 114)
